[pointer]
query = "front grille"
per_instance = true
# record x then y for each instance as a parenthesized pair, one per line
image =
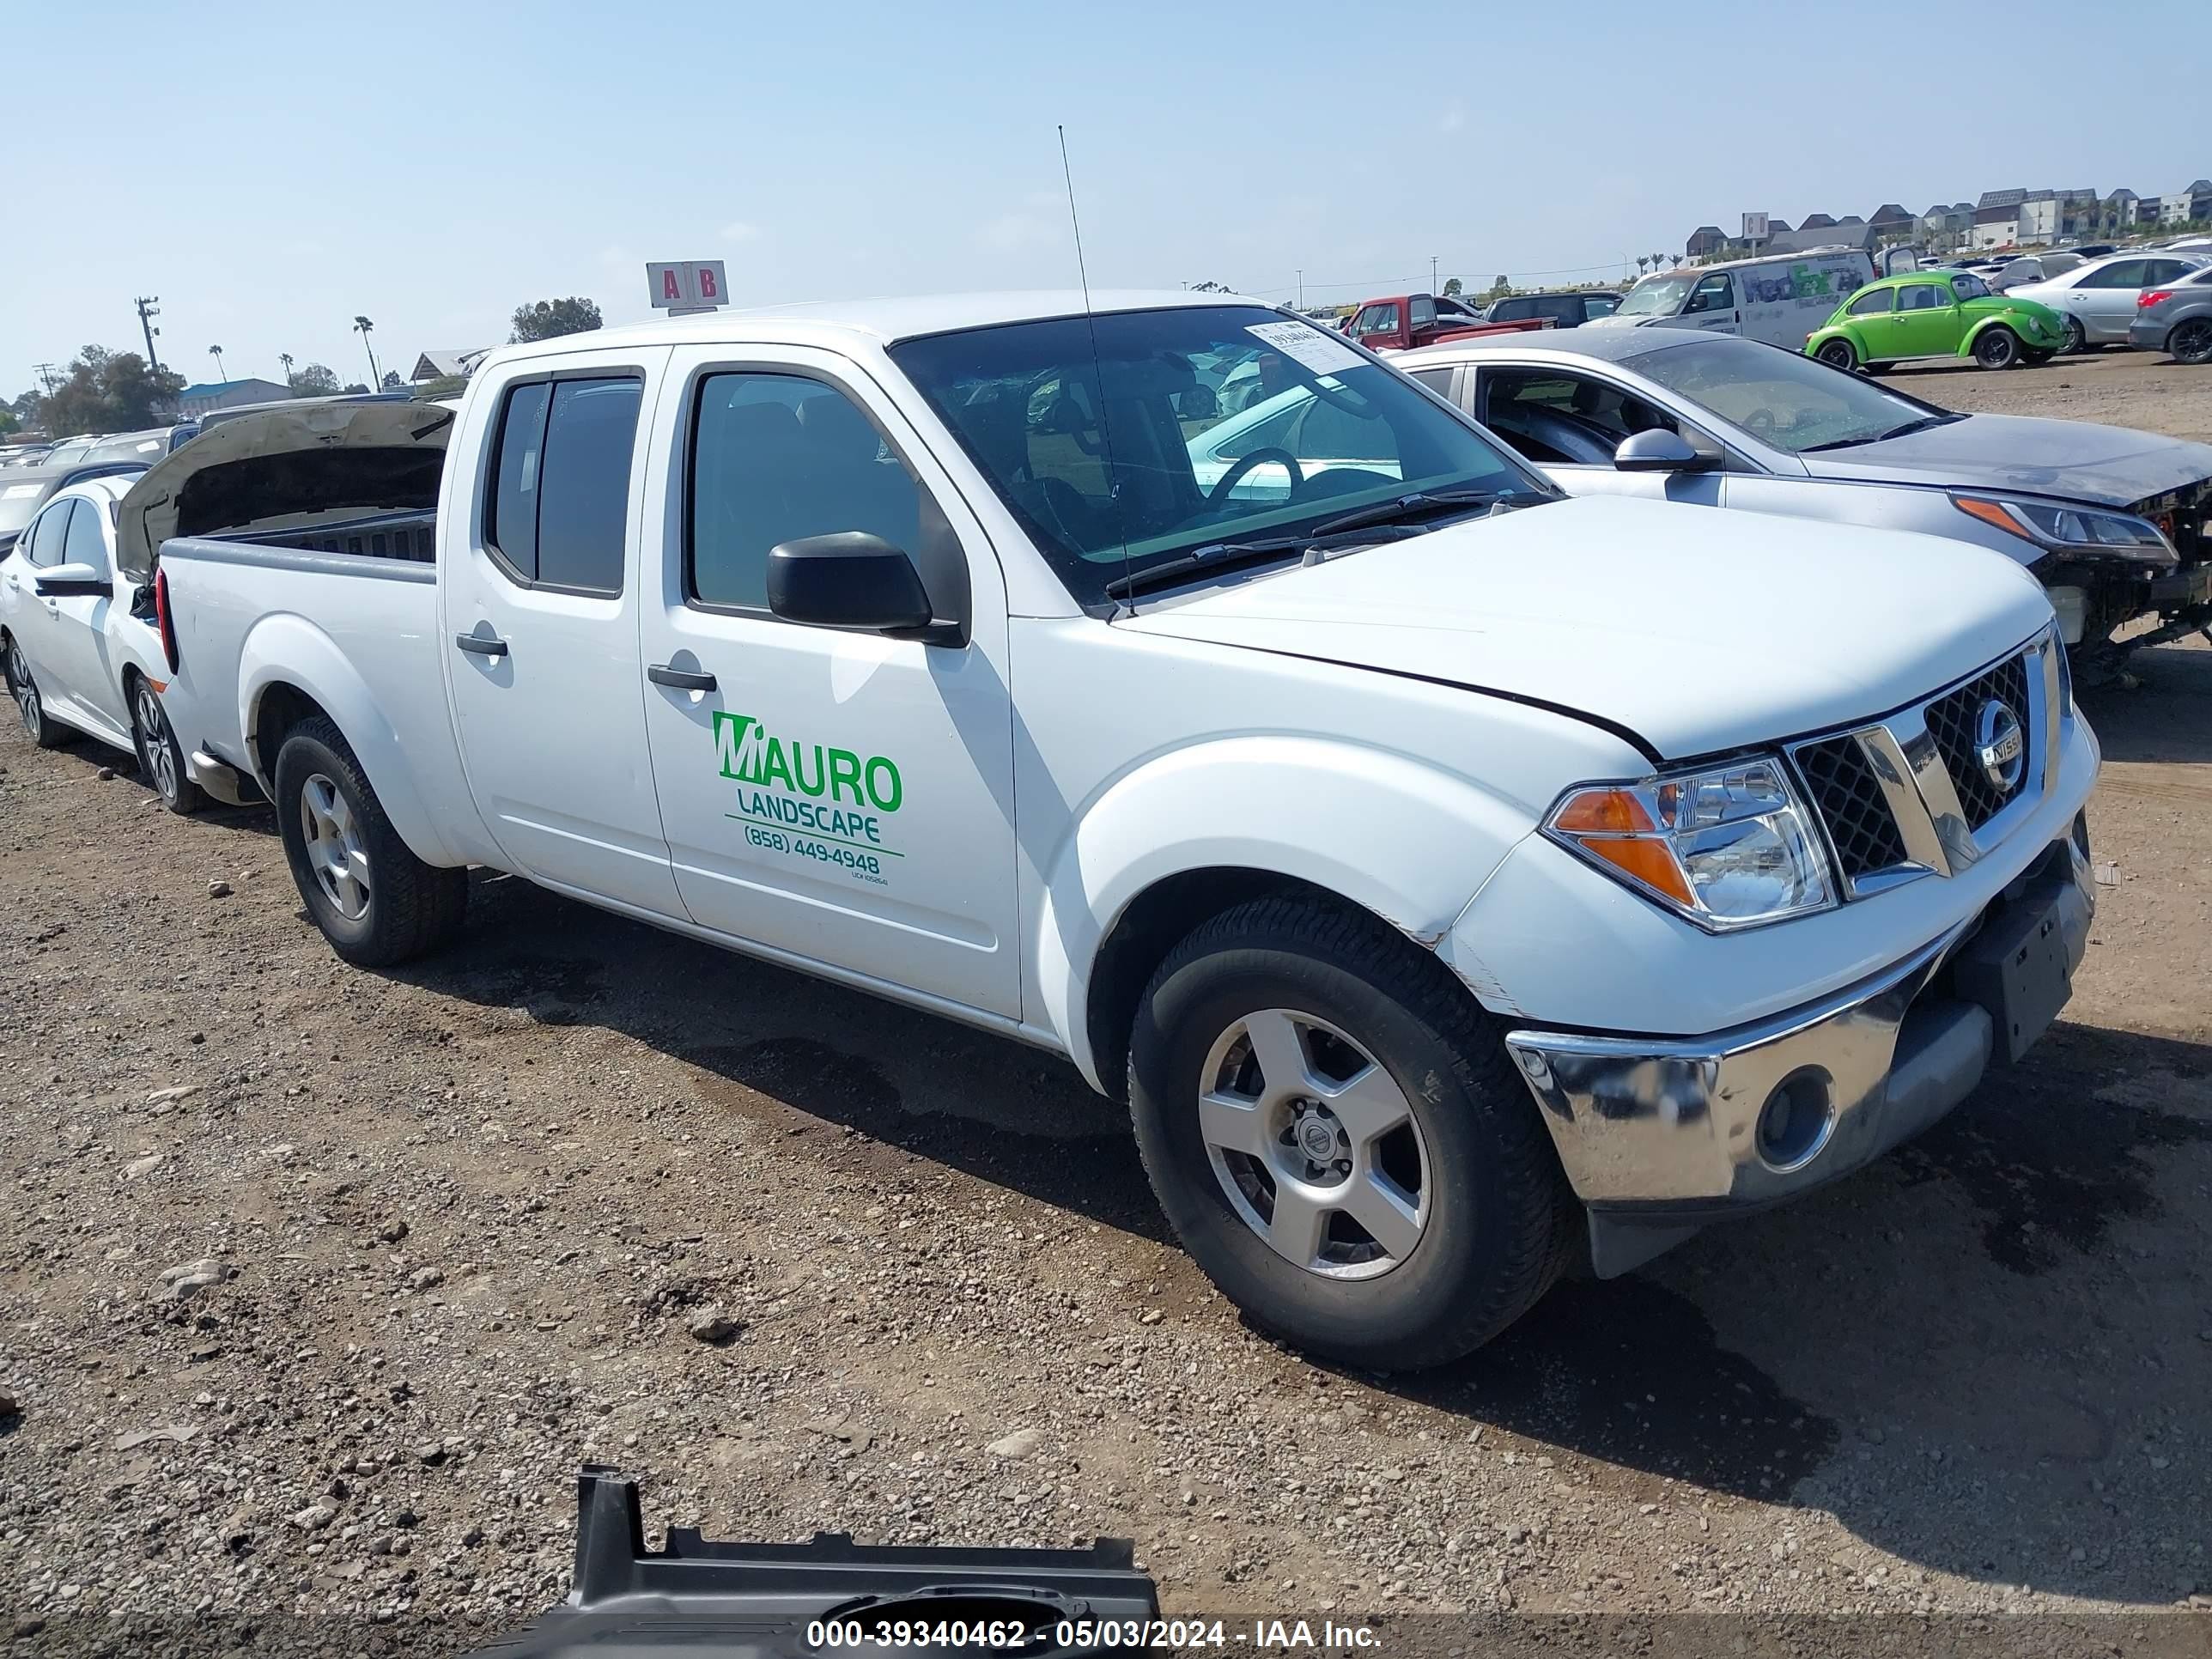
(1848, 796)
(1952, 721)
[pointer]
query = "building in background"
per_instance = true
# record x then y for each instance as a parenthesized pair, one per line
(2179, 207)
(197, 400)
(1943, 229)
(1705, 241)
(1892, 223)
(1996, 218)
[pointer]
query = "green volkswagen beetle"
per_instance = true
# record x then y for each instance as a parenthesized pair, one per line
(1936, 313)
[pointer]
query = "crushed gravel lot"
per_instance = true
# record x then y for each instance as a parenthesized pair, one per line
(319, 1283)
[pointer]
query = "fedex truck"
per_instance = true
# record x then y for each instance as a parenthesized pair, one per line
(1780, 299)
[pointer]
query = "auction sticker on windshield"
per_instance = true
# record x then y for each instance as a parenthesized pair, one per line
(1303, 344)
(805, 800)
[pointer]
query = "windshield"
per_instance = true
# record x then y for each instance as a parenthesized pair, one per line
(1657, 296)
(1216, 423)
(1781, 400)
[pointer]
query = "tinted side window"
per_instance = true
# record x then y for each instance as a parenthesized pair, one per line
(83, 544)
(2121, 273)
(1563, 308)
(1424, 310)
(47, 534)
(2164, 270)
(583, 498)
(1512, 310)
(1438, 380)
(559, 512)
(776, 457)
(511, 516)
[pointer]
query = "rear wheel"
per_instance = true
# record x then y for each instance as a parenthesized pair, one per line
(2192, 342)
(160, 757)
(30, 705)
(2077, 338)
(376, 901)
(1839, 354)
(1998, 346)
(1337, 1134)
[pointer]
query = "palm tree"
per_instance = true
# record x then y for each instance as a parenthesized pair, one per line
(221, 373)
(1643, 264)
(285, 358)
(362, 326)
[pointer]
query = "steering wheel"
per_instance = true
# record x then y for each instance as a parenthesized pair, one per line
(1759, 422)
(1244, 464)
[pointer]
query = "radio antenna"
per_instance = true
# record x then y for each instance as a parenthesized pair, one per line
(1097, 367)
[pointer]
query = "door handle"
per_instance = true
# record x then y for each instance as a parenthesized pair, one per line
(683, 680)
(481, 645)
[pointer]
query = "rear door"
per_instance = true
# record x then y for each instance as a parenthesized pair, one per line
(837, 797)
(2105, 298)
(541, 601)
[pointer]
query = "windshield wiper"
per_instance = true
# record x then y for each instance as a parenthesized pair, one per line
(1920, 425)
(1225, 555)
(1402, 508)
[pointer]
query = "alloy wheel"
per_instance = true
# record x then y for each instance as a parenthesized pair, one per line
(1314, 1145)
(26, 690)
(335, 852)
(154, 744)
(2191, 343)
(2077, 338)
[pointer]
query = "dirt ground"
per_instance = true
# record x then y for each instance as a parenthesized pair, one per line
(459, 1222)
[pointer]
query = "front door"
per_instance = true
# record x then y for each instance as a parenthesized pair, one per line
(1570, 423)
(541, 600)
(1712, 304)
(1927, 321)
(836, 796)
(2104, 299)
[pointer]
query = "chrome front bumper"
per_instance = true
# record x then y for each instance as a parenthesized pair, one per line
(1659, 1136)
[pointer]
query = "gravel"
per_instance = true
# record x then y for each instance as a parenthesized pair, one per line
(318, 1316)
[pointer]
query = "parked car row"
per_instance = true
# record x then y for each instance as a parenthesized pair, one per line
(1440, 906)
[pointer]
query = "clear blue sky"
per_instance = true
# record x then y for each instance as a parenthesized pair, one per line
(272, 170)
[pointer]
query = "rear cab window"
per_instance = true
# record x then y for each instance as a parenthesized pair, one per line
(559, 512)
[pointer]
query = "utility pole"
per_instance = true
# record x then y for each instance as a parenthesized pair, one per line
(45, 373)
(149, 308)
(1432, 273)
(1302, 288)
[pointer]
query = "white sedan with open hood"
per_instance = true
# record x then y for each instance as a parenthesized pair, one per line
(79, 640)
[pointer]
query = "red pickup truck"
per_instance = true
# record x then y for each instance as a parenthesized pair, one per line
(1398, 322)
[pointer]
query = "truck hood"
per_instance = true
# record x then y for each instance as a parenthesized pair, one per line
(285, 466)
(2107, 465)
(1694, 629)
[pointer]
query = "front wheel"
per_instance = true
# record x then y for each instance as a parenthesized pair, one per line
(1339, 1139)
(2192, 342)
(376, 901)
(1998, 348)
(160, 757)
(1839, 354)
(30, 705)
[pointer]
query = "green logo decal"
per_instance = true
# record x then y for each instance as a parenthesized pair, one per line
(830, 793)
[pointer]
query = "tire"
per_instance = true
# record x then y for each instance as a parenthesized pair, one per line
(1839, 354)
(161, 757)
(2077, 338)
(1998, 348)
(30, 704)
(388, 906)
(1491, 1222)
(2192, 342)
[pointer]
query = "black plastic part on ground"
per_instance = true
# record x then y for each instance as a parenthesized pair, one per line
(746, 1600)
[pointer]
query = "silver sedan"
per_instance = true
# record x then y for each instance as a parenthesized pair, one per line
(2114, 522)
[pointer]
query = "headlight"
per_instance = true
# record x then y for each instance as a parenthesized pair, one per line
(2082, 528)
(1728, 848)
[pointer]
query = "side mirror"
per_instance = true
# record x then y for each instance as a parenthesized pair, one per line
(63, 581)
(1657, 450)
(848, 579)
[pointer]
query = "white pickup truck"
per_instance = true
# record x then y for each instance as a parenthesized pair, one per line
(1453, 876)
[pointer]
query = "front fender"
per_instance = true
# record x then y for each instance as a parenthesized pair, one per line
(1402, 839)
(287, 649)
(1820, 336)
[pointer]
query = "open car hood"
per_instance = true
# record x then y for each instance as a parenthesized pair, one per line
(282, 467)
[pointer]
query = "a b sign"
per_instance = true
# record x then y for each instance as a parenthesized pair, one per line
(686, 283)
